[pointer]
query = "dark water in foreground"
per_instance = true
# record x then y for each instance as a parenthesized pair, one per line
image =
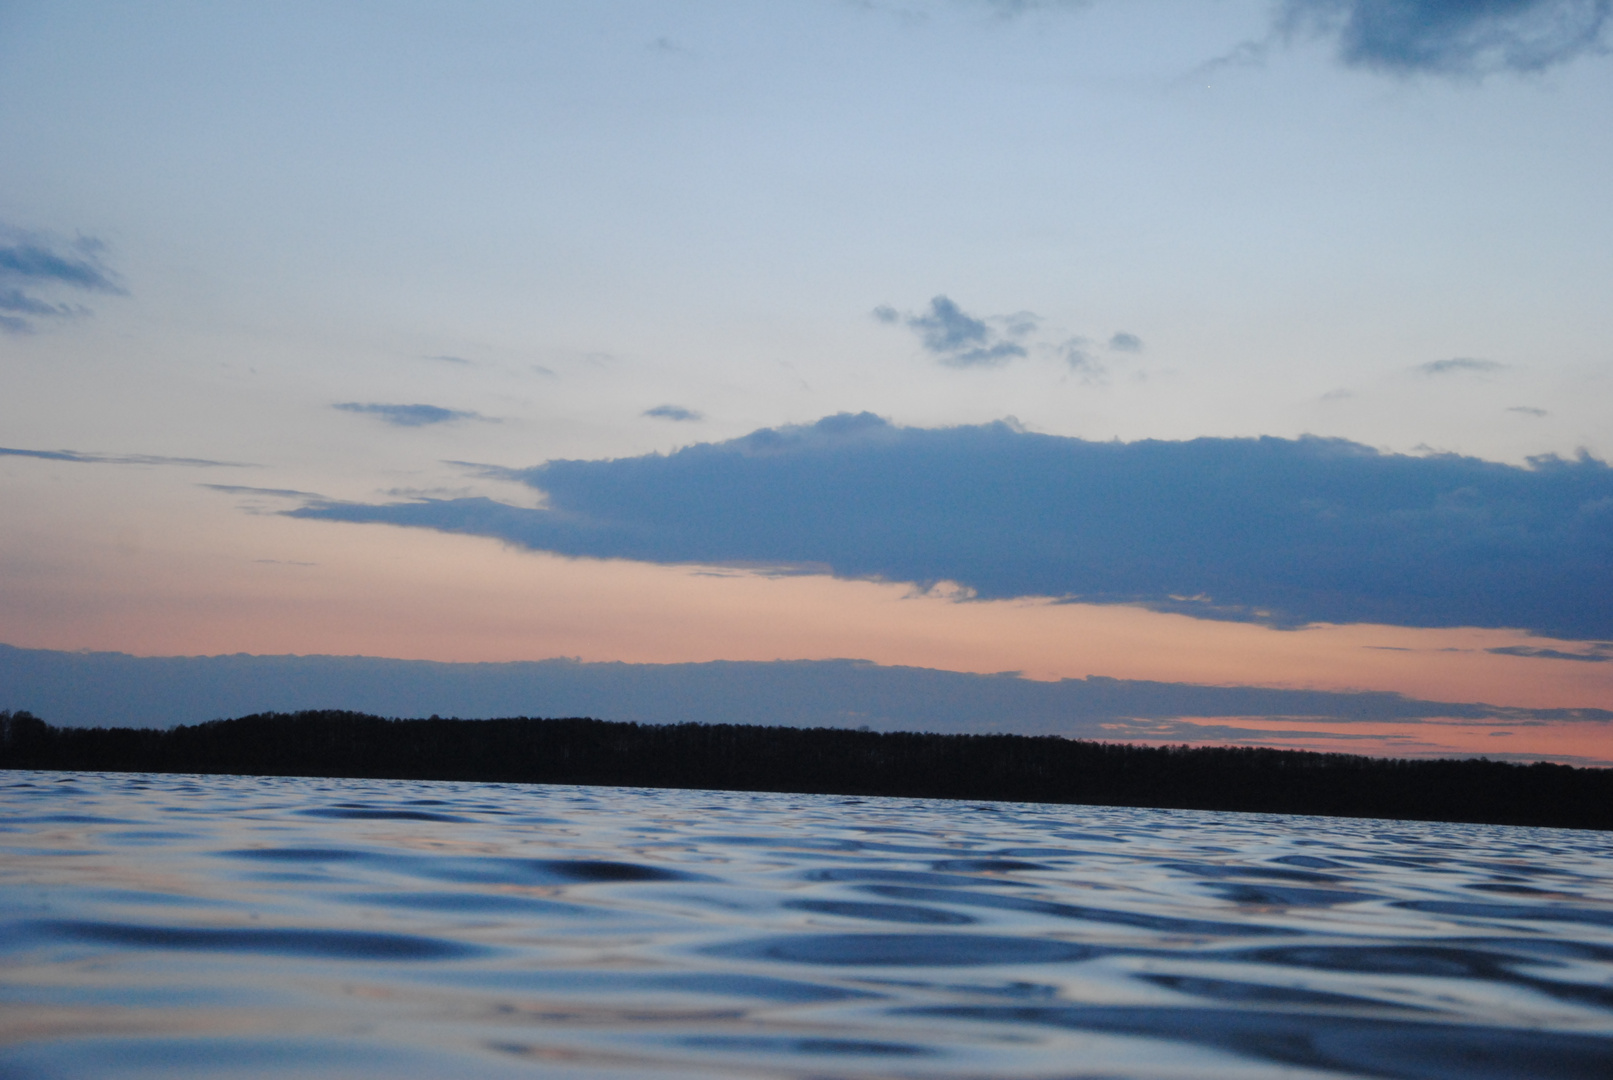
(234, 927)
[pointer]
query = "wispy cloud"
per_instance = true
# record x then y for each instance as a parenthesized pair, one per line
(1286, 532)
(1124, 342)
(1077, 352)
(121, 459)
(484, 471)
(1459, 364)
(1527, 410)
(277, 493)
(664, 44)
(1452, 37)
(262, 500)
(33, 266)
(408, 415)
(674, 412)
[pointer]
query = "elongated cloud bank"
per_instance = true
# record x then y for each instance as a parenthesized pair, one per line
(1281, 531)
(117, 690)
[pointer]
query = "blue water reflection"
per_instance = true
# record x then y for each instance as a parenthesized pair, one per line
(236, 926)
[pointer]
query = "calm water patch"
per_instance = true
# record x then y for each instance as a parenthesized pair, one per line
(236, 926)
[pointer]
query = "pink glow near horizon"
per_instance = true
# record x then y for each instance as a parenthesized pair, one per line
(1573, 743)
(343, 590)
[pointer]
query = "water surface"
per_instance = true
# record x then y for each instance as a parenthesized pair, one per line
(236, 926)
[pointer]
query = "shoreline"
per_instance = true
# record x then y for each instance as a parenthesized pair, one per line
(831, 761)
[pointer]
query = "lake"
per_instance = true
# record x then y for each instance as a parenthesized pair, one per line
(200, 926)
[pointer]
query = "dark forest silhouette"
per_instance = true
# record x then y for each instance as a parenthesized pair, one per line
(831, 761)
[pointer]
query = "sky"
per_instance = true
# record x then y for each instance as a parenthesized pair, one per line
(1248, 343)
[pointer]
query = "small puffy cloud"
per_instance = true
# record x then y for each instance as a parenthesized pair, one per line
(947, 331)
(673, 412)
(961, 340)
(408, 415)
(1285, 532)
(33, 267)
(958, 339)
(1459, 364)
(1452, 37)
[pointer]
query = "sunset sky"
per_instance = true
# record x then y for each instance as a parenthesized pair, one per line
(1257, 343)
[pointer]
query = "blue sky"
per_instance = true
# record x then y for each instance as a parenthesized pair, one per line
(377, 262)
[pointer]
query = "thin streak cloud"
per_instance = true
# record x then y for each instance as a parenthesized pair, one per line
(278, 493)
(408, 415)
(1460, 364)
(674, 412)
(121, 459)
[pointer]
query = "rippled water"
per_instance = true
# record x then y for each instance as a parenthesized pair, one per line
(234, 926)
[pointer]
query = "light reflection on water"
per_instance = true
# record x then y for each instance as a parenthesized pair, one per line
(236, 926)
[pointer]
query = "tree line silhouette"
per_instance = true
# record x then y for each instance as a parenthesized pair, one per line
(830, 761)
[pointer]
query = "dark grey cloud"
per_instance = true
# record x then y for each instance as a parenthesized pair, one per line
(673, 412)
(32, 264)
(1459, 364)
(408, 415)
(114, 689)
(1124, 342)
(1453, 37)
(958, 339)
(120, 459)
(1280, 531)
